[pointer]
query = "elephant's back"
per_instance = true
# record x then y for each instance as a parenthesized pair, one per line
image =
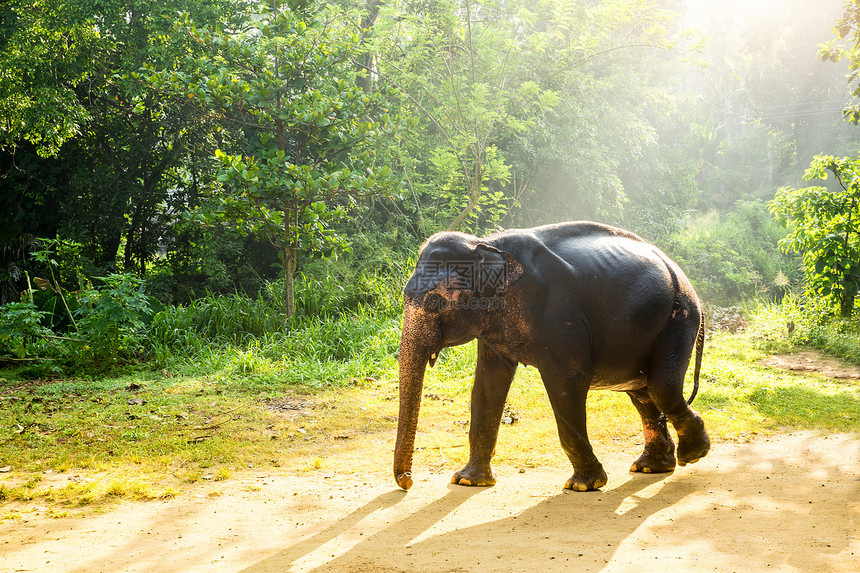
(559, 233)
(614, 281)
(585, 249)
(603, 269)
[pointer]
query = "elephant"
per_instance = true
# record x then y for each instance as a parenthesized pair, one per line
(588, 305)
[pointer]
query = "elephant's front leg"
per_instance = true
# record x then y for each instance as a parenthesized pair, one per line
(493, 377)
(567, 396)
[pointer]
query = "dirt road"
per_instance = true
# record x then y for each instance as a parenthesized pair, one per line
(785, 503)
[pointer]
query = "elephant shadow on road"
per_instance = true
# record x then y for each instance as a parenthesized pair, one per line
(562, 530)
(786, 502)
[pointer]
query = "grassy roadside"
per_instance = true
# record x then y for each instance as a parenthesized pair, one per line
(82, 443)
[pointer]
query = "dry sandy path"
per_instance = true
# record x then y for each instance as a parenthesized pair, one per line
(784, 503)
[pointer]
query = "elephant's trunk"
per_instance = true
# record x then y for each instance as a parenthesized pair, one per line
(411, 385)
(418, 341)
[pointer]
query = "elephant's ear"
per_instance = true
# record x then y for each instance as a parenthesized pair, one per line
(497, 269)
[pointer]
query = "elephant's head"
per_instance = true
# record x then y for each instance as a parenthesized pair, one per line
(457, 283)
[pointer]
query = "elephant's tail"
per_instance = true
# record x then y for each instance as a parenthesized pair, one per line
(700, 347)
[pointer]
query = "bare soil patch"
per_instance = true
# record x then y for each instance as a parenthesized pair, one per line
(291, 406)
(783, 503)
(815, 362)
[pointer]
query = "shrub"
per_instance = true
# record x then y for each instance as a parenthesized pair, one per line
(734, 257)
(801, 321)
(111, 319)
(21, 332)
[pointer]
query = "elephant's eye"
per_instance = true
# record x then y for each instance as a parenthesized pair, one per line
(434, 302)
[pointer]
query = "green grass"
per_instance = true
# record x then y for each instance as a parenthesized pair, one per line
(321, 396)
(740, 395)
(202, 412)
(796, 322)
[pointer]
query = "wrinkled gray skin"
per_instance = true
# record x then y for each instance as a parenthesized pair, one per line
(588, 305)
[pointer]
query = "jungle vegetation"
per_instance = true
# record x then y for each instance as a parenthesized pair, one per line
(224, 182)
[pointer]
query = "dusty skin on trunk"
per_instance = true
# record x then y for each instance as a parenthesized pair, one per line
(418, 342)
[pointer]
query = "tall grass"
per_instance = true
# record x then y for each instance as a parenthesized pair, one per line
(228, 319)
(340, 331)
(799, 321)
(318, 353)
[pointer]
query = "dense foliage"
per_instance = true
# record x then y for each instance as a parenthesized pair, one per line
(309, 131)
(284, 159)
(824, 226)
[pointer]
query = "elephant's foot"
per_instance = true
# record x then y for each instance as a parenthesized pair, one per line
(691, 451)
(649, 463)
(658, 456)
(587, 480)
(474, 476)
(693, 441)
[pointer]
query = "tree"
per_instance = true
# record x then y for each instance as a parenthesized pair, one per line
(45, 50)
(88, 151)
(824, 225)
(846, 45)
(459, 65)
(767, 105)
(515, 102)
(286, 83)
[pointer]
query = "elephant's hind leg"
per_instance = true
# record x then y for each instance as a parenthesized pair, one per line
(659, 453)
(693, 440)
(669, 363)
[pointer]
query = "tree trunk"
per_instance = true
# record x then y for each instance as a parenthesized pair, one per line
(133, 247)
(846, 304)
(474, 196)
(289, 267)
(289, 287)
(110, 241)
(368, 61)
